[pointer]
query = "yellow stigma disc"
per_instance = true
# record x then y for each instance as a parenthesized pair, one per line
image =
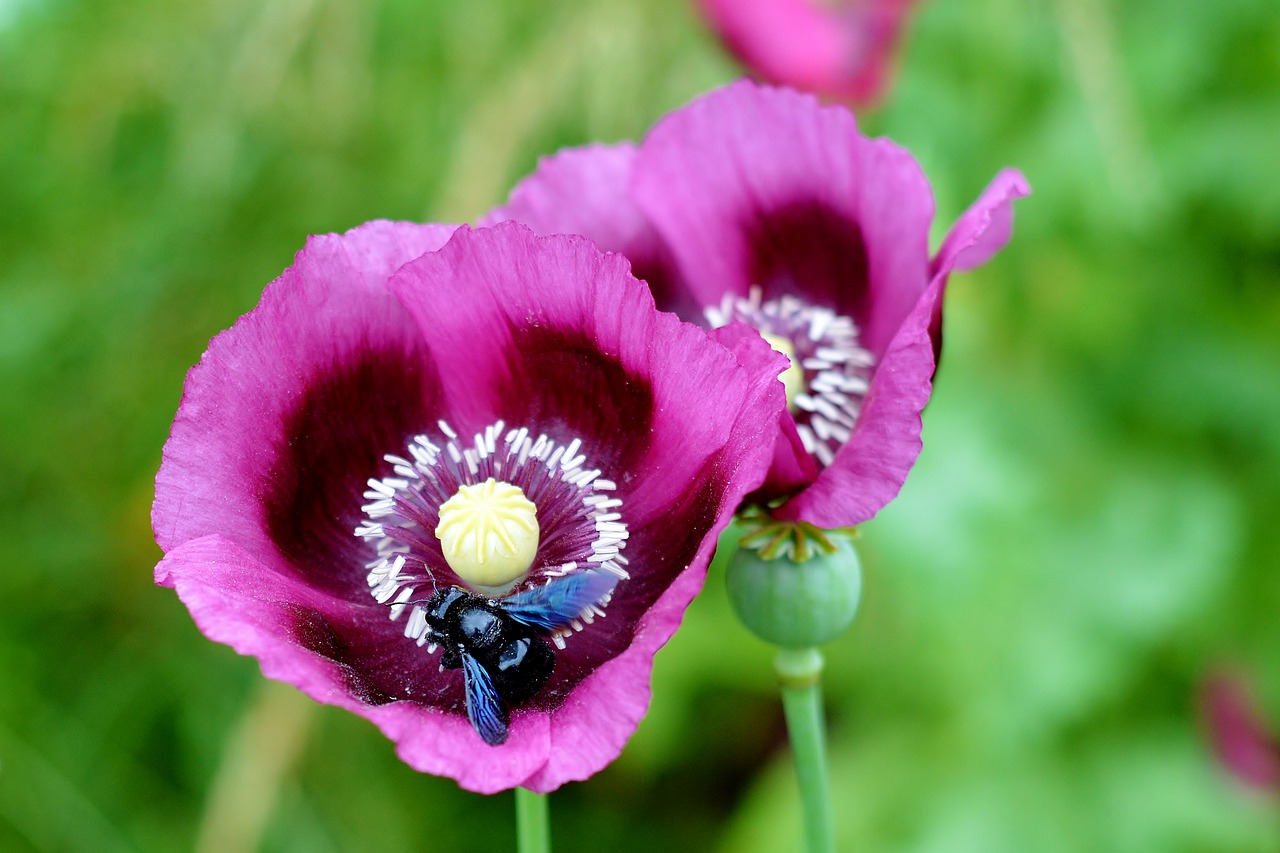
(489, 534)
(792, 378)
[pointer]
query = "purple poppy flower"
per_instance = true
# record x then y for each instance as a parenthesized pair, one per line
(1245, 747)
(759, 206)
(393, 369)
(843, 50)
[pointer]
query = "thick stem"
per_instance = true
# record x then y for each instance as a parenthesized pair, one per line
(800, 677)
(533, 824)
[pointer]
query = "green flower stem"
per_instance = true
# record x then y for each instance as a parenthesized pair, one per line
(800, 677)
(533, 825)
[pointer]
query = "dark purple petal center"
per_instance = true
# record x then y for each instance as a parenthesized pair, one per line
(811, 250)
(581, 392)
(334, 439)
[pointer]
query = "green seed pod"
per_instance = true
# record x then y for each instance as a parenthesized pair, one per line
(797, 604)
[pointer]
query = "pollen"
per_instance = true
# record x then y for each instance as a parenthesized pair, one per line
(489, 534)
(792, 378)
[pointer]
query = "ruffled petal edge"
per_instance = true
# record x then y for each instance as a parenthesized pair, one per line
(871, 468)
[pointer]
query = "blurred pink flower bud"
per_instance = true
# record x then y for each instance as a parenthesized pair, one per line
(1240, 738)
(843, 50)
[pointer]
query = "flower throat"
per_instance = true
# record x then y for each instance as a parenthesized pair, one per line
(830, 370)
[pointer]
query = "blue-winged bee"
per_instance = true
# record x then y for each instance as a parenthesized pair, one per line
(499, 643)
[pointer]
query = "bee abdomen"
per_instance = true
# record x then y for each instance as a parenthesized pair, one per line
(521, 668)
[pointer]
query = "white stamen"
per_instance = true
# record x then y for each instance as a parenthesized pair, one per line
(416, 627)
(837, 370)
(398, 606)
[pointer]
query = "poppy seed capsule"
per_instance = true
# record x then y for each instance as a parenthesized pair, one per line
(796, 604)
(489, 534)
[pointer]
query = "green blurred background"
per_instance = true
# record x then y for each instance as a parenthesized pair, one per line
(1090, 530)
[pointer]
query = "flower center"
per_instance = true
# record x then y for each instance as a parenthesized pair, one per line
(832, 371)
(489, 533)
(498, 515)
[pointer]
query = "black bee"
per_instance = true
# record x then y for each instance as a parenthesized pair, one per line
(499, 643)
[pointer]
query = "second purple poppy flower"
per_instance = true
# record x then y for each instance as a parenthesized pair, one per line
(757, 206)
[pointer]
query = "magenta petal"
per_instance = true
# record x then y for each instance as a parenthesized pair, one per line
(792, 42)
(531, 330)
(871, 467)
(792, 466)
(843, 51)
(735, 179)
(581, 191)
(984, 228)
(252, 607)
(1243, 744)
(263, 449)
(271, 615)
(978, 234)
(876, 29)
(587, 191)
(591, 728)
(757, 186)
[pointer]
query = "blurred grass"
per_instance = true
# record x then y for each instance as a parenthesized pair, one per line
(1089, 530)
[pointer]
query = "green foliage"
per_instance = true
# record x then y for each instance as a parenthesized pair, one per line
(1088, 532)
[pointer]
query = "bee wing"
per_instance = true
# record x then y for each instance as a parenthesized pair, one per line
(484, 708)
(554, 605)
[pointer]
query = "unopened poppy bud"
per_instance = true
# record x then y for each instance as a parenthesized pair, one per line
(793, 602)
